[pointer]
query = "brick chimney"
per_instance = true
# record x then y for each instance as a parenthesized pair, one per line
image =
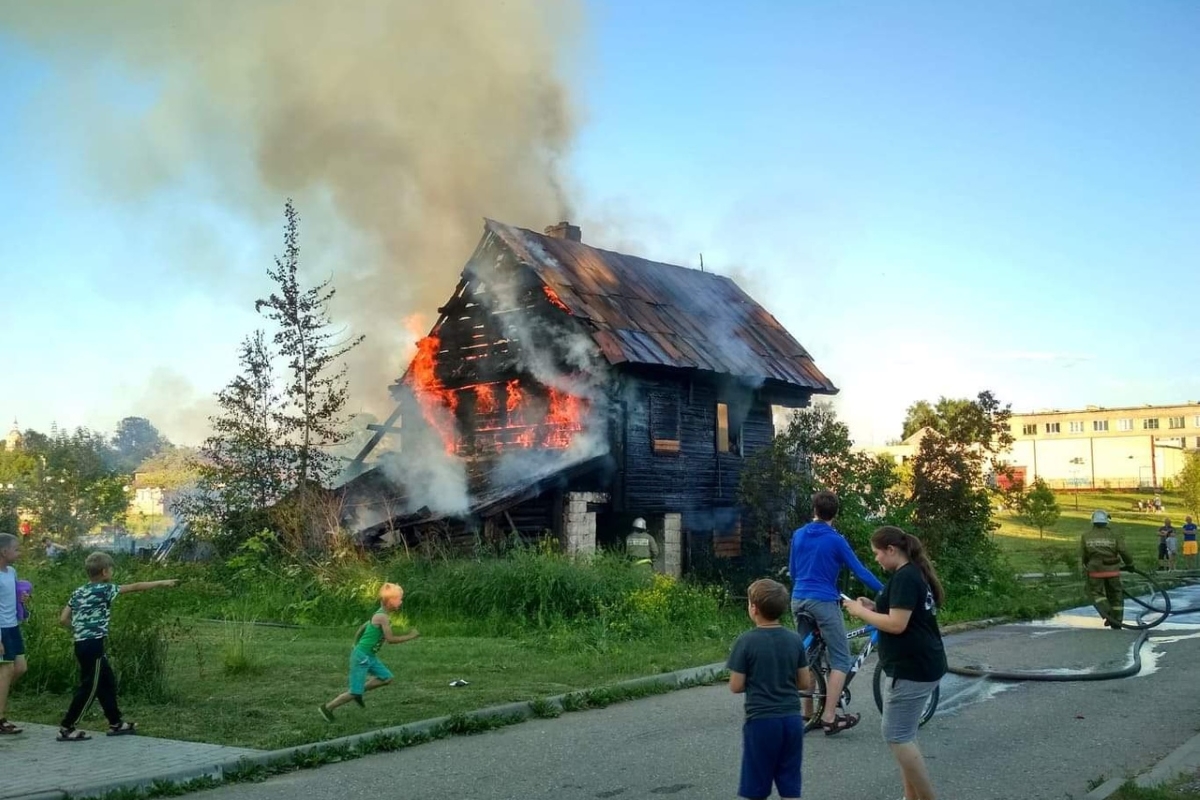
(565, 230)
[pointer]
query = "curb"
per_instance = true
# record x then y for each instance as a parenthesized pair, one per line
(218, 770)
(1180, 761)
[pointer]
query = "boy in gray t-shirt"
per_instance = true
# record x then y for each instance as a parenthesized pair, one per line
(768, 665)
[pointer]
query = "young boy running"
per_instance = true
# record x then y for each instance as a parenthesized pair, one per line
(768, 665)
(12, 646)
(364, 663)
(88, 614)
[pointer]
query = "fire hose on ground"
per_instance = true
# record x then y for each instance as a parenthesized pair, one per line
(1150, 616)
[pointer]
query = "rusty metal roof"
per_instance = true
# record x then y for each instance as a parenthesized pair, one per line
(647, 312)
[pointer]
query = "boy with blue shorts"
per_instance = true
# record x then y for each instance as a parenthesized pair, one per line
(367, 672)
(768, 665)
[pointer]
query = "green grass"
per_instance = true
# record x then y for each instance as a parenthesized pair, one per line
(1185, 788)
(1029, 552)
(262, 691)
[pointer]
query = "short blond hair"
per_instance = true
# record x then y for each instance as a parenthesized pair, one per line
(97, 563)
(391, 591)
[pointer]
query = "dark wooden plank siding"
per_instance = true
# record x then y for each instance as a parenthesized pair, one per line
(697, 477)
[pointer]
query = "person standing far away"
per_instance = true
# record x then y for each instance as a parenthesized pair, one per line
(1104, 556)
(1164, 554)
(1189, 543)
(640, 545)
(910, 647)
(818, 555)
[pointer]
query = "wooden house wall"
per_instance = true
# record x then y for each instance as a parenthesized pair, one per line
(695, 478)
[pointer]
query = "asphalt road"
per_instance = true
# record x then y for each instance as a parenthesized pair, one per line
(988, 740)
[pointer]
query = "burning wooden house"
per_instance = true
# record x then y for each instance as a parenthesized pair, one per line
(568, 389)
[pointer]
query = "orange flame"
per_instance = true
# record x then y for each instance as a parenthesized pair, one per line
(434, 398)
(553, 297)
(485, 399)
(494, 431)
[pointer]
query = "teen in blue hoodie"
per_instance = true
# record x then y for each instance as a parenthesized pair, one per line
(818, 555)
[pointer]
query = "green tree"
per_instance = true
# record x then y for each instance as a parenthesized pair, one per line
(920, 415)
(316, 385)
(135, 441)
(172, 468)
(1189, 483)
(951, 504)
(1040, 508)
(242, 468)
(816, 452)
(67, 481)
(961, 419)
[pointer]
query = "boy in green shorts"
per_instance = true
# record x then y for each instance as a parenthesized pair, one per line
(367, 672)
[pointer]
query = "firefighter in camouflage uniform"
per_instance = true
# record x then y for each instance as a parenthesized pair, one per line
(640, 545)
(1104, 556)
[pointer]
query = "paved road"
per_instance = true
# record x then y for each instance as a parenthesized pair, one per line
(989, 741)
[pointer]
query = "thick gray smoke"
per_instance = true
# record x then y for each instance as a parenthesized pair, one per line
(406, 121)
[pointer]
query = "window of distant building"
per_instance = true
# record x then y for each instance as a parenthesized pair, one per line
(1100, 425)
(1053, 427)
(1075, 427)
(1029, 430)
(1175, 423)
(1196, 422)
(1150, 424)
(1124, 424)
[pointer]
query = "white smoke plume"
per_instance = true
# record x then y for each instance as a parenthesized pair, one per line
(397, 125)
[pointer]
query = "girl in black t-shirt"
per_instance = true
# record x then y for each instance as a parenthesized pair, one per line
(910, 646)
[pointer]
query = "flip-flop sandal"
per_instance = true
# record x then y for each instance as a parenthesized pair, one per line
(326, 714)
(122, 729)
(8, 729)
(72, 735)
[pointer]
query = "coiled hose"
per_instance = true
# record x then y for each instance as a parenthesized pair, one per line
(1144, 623)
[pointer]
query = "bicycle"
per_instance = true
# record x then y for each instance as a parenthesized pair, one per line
(818, 661)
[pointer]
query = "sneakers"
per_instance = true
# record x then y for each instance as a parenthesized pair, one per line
(326, 714)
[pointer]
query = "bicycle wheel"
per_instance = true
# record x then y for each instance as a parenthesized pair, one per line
(818, 665)
(930, 704)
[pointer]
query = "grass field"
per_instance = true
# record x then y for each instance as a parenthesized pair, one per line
(1029, 552)
(254, 686)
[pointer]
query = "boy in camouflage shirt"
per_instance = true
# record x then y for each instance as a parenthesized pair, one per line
(87, 614)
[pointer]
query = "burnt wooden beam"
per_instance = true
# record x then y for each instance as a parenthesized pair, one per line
(380, 432)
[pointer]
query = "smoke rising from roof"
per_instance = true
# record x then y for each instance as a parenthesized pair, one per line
(409, 120)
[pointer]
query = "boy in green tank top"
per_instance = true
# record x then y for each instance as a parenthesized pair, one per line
(367, 672)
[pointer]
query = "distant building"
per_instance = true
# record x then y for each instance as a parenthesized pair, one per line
(149, 499)
(1105, 448)
(14, 440)
(905, 450)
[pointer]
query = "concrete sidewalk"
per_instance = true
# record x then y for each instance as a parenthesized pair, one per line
(34, 765)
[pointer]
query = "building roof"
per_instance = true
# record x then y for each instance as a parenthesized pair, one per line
(1189, 407)
(646, 312)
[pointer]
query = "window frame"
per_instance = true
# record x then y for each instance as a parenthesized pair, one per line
(663, 404)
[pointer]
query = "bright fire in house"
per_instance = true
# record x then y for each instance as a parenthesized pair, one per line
(506, 414)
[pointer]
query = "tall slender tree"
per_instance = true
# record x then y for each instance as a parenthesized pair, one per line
(316, 386)
(242, 467)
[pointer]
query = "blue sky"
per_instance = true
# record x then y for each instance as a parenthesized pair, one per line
(934, 197)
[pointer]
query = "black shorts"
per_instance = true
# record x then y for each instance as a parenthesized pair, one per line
(14, 645)
(1162, 548)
